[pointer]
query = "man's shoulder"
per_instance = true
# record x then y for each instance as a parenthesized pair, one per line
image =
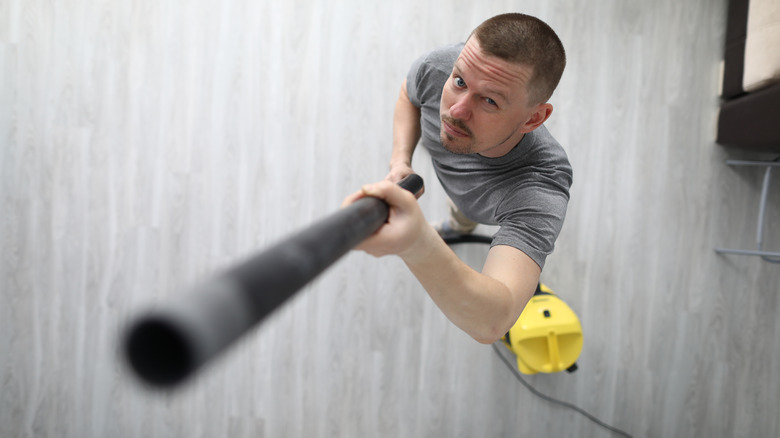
(540, 139)
(443, 57)
(546, 151)
(429, 73)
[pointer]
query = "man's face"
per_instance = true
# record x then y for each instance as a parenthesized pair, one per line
(484, 104)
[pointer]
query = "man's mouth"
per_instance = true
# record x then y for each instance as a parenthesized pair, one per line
(454, 128)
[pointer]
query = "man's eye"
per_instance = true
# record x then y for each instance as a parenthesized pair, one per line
(460, 83)
(491, 101)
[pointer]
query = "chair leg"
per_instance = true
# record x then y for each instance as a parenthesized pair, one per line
(761, 212)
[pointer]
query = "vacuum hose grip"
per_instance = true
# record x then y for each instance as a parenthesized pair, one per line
(167, 344)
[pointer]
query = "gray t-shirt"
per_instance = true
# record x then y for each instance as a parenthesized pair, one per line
(525, 192)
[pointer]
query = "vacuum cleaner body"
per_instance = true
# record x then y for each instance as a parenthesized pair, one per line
(547, 337)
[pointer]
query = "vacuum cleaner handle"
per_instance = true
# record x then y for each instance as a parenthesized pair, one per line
(168, 343)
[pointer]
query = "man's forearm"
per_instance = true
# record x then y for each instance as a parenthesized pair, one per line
(478, 304)
(483, 304)
(406, 130)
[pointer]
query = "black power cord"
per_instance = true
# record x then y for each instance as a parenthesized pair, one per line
(552, 400)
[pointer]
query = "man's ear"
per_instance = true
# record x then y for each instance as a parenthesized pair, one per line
(540, 115)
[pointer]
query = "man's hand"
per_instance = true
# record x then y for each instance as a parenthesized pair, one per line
(398, 172)
(405, 225)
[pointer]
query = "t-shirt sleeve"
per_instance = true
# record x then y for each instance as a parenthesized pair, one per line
(428, 74)
(531, 216)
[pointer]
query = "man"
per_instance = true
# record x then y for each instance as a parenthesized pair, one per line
(479, 108)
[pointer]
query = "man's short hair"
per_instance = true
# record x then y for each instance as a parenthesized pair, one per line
(525, 40)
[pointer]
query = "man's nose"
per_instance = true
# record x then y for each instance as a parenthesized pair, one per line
(461, 109)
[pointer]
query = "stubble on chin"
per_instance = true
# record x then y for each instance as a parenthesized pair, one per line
(456, 145)
(450, 143)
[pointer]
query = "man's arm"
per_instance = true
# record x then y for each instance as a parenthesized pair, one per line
(483, 304)
(406, 134)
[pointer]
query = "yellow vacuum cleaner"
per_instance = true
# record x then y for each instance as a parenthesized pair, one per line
(547, 337)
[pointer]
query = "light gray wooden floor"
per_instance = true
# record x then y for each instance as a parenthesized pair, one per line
(145, 145)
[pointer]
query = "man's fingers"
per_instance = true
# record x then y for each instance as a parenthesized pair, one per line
(399, 172)
(379, 190)
(390, 192)
(352, 198)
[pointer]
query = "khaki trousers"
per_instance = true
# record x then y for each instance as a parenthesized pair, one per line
(458, 221)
